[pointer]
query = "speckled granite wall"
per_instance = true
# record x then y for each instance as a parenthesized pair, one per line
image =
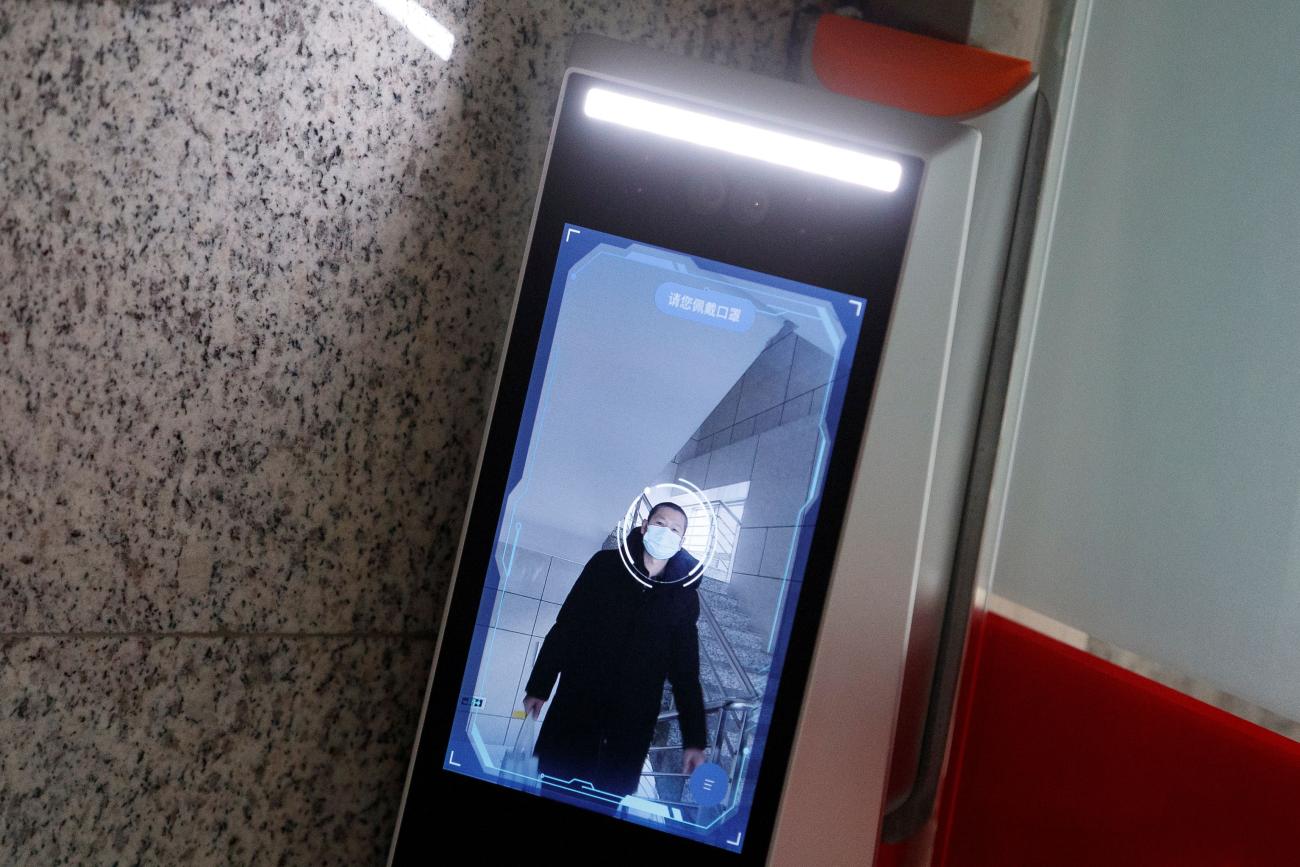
(255, 261)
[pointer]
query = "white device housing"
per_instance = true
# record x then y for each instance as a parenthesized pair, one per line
(904, 507)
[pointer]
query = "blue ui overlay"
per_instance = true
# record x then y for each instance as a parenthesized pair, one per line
(662, 495)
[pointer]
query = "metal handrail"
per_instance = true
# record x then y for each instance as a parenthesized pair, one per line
(750, 691)
(734, 516)
(713, 664)
(724, 708)
(716, 705)
(723, 504)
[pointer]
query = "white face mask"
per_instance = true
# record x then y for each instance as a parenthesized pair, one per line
(660, 542)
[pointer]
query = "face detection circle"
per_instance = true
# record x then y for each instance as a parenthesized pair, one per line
(692, 500)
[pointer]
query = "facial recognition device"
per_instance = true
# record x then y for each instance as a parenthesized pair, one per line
(710, 483)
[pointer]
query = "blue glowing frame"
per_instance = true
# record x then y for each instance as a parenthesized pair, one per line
(466, 752)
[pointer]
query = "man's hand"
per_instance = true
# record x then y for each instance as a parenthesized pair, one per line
(533, 706)
(691, 759)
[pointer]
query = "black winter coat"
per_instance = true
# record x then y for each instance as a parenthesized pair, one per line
(613, 644)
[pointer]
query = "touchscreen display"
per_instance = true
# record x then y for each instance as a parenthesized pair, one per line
(650, 549)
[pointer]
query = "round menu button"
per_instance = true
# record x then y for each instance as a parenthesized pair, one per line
(708, 784)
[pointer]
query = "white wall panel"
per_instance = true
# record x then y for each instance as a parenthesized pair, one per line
(1154, 492)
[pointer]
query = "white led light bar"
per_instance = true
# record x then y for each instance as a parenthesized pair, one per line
(778, 148)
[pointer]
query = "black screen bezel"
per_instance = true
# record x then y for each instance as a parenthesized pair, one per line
(632, 184)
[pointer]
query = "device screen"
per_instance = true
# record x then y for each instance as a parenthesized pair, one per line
(658, 505)
(651, 547)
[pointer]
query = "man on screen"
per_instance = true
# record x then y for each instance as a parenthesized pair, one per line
(614, 642)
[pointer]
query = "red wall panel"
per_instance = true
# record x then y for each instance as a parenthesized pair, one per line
(1061, 758)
